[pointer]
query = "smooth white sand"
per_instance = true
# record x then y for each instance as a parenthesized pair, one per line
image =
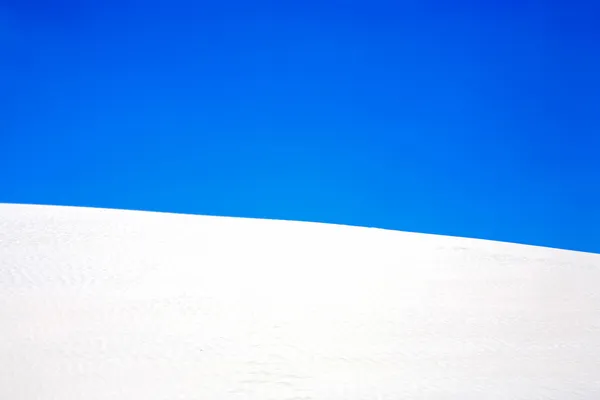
(107, 304)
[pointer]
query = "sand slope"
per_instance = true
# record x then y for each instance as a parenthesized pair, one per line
(106, 304)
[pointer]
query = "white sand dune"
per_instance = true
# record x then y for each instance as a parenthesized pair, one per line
(106, 304)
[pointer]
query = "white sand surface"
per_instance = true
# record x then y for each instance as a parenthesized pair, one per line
(102, 304)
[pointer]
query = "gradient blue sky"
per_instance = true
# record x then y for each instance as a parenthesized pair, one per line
(478, 119)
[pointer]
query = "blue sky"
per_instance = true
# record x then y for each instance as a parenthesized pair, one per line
(478, 119)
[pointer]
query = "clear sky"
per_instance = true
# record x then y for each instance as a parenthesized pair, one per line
(478, 119)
